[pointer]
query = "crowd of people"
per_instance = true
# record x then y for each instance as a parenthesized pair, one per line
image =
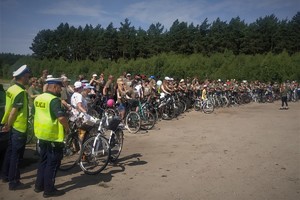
(47, 99)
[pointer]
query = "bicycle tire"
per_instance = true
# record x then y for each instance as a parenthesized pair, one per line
(168, 112)
(116, 144)
(208, 107)
(197, 105)
(147, 121)
(133, 122)
(70, 154)
(94, 155)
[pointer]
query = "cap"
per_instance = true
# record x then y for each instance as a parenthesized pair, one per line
(87, 86)
(52, 80)
(84, 81)
(21, 71)
(94, 74)
(205, 85)
(167, 78)
(77, 84)
(49, 76)
(128, 74)
(171, 79)
(182, 80)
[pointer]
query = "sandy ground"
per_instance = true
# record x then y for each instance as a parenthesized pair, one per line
(246, 152)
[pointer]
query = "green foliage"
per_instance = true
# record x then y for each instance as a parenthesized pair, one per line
(227, 65)
(266, 34)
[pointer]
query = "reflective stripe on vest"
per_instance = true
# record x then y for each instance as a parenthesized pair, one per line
(20, 124)
(45, 127)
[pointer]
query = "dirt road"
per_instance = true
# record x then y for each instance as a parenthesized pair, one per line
(246, 152)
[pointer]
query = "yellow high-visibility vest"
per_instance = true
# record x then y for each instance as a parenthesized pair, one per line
(45, 128)
(20, 124)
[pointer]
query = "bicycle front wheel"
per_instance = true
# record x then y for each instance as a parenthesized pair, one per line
(116, 144)
(208, 107)
(95, 155)
(133, 122)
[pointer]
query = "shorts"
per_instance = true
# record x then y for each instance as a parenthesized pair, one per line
(121, 107)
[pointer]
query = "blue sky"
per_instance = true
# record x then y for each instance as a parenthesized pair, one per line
(21, 20)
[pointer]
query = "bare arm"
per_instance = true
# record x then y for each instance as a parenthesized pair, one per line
(80, 107)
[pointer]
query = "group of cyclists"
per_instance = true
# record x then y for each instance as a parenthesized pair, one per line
(131, 88)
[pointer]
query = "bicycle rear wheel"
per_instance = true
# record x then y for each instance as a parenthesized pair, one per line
(133, 122)
(147, 121)
(95, 155)
(116, 144)
(71, 155)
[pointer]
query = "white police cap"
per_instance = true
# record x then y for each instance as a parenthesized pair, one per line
(21, 71)
(57, 81)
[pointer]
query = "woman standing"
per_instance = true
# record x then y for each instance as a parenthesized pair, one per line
(283, 93)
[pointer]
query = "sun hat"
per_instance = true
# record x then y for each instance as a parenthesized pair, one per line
(94, 74)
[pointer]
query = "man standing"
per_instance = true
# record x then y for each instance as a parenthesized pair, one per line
(15, 123)
(50, 125)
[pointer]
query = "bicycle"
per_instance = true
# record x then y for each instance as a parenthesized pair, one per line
(73, 145)
(98, 151)
(205, 105)
(142, 119)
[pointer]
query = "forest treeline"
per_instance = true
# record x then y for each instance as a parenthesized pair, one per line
(266, 34)
(267, 49)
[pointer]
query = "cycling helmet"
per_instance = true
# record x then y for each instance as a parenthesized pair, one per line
(159, 82)
(110, 103)
(152, 77)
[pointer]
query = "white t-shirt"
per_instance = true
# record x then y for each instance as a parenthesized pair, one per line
(77, 98)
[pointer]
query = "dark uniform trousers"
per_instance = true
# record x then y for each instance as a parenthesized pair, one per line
(51, 154)
(14, 154)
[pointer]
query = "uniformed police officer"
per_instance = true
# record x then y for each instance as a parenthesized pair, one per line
(50, 126)
(15, 123)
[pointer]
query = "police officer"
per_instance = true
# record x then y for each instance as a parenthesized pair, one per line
(15, 123)
(50, 126)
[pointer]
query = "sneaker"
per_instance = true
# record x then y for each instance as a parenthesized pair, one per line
(54, 193)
